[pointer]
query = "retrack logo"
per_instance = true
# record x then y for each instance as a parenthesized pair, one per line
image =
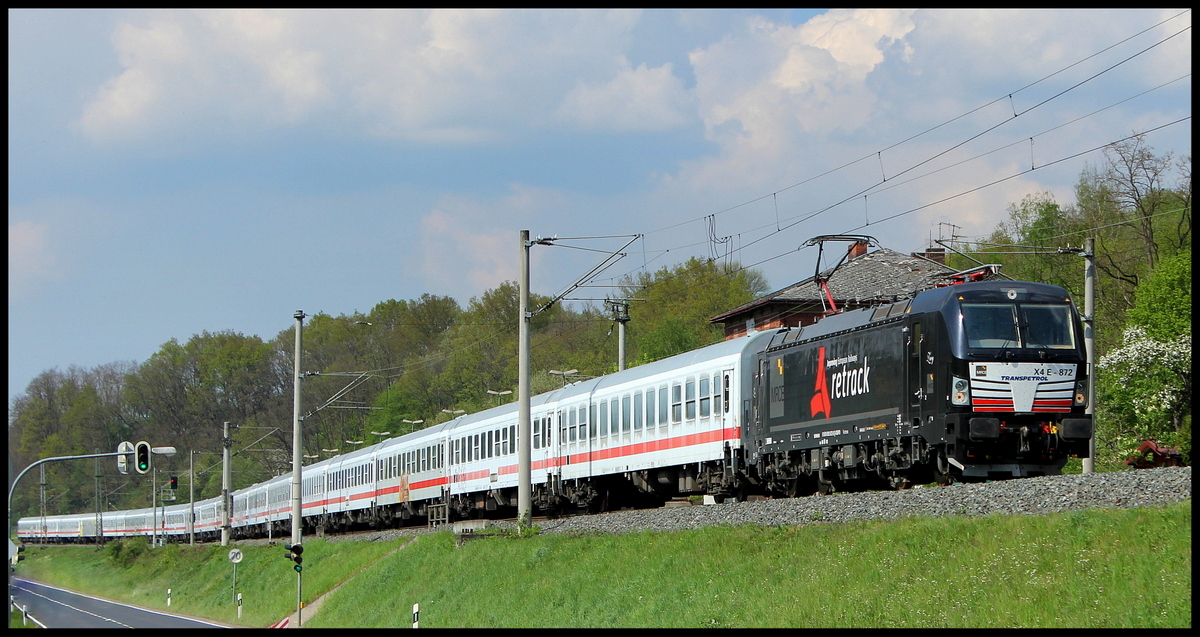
(820, 399)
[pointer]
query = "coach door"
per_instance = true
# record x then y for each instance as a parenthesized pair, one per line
(724, 405)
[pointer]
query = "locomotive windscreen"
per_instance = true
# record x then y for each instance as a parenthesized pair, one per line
(1018, 325)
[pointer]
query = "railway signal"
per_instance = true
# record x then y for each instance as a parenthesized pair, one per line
(294, 554)
(142, 457)
(124, 457)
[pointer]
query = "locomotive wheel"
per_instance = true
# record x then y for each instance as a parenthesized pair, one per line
(942, 473)
(825, 485)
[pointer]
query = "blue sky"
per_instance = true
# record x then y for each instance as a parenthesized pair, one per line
(172, 172)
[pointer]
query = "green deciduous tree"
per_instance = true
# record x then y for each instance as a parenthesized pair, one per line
(677, 302)
(1147, 390)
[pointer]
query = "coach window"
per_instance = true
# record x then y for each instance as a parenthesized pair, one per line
(650, 408)
(614, 417)
(625, 419)
(592, 419)
(689, 390)
(704, 399)
(562, 428)
(663, 406)
(583, 427)
(604, 418)
(512, 438)
(571, 424)
(637, 411)
(676, 403)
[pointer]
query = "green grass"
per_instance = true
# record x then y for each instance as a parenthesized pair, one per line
(1096, 568)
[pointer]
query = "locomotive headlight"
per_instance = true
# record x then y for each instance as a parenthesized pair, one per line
(962, 392)
(1081, 396)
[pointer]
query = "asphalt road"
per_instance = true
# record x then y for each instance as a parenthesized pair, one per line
(59, 608)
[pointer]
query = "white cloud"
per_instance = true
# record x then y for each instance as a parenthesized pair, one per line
(421, 74)
(810, 77)
(637, 99)
(468, 245)
(31, 261)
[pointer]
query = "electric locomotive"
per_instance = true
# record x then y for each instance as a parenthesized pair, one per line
(975, 381)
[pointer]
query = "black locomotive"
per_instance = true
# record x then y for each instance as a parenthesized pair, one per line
(975, 381)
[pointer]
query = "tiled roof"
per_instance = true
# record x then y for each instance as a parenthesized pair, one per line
(880, 275)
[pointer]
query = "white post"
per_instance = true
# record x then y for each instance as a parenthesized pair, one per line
(192, 497)
(1089, 341)
(524, 449)
(153, 507)
(226, 483)
(297, 448)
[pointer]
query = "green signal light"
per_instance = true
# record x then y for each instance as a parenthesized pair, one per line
(298, 568)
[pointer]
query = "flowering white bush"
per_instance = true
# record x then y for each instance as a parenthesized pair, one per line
(1154, 379)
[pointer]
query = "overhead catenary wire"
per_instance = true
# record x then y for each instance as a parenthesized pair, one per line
(878, 153)
(650, 256)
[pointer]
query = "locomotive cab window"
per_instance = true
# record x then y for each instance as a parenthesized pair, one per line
(1048, 326)
(1018, 325)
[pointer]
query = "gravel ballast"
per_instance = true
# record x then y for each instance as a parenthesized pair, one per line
(1026, 496)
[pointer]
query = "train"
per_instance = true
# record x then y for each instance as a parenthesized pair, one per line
(974, 381)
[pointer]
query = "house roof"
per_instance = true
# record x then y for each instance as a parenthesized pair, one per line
(880, 275)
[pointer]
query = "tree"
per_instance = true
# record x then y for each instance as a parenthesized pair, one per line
(677, 302)
(1164, 301)
(1142, 231)
(1149, 391)
(1135, 178)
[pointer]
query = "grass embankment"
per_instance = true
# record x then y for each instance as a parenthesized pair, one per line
(1096, 568)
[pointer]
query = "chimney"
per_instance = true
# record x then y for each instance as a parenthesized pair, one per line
(857, 249)
(935, 254)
